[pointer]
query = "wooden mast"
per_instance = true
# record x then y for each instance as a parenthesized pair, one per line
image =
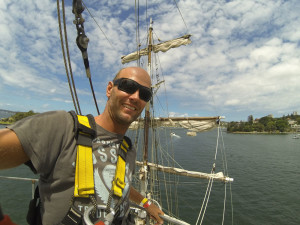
(144, 169)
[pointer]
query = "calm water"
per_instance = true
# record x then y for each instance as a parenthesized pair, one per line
(266, 189)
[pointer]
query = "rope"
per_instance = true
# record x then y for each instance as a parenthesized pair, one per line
(209, 185)
(92, 88)
(82, 43)
(68, 54)
(137, 33)
(181, 15)
(226, 173)
(99, 26)
(64, 57)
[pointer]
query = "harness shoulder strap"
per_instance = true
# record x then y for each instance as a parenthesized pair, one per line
(119, 180)
(85, 130)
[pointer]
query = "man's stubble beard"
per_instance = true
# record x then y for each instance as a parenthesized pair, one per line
(120, 117)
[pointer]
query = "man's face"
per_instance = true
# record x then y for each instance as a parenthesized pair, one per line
(125, 108)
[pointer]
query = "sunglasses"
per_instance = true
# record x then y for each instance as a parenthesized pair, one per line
(130, 86)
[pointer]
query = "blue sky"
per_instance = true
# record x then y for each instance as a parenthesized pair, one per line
(244, 58)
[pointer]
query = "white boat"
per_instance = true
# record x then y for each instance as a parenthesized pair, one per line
(191, 133)
(172, 134)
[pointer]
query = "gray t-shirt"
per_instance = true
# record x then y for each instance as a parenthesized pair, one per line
(48, 140)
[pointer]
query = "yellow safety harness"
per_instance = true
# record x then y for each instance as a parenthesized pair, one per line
(84, 178)
(85, 129)
(84, 175)
(119, 181)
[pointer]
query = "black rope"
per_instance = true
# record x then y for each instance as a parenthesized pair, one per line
(68, 54)
(64, 57)
(91, 84)
(82, 42)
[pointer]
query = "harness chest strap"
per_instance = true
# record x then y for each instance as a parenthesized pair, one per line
(84, 175)
(118, 183)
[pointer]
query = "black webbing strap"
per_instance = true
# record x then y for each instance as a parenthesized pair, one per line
(34, 215)
(84, 135)
(73, 217)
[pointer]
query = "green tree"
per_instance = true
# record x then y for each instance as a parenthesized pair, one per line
(271, 126)
(282, 125)
(18, 116)
(250, 119)
(265, 120)
(258, 127)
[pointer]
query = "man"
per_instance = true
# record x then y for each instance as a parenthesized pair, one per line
(47, 140)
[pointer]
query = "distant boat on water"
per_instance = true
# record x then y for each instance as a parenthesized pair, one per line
(174, 135)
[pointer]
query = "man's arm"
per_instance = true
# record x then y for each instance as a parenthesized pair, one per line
(152, 209)
(11, 150)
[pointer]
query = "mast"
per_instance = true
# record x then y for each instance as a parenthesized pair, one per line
(144, 182)
(147, 108)
(161, 47)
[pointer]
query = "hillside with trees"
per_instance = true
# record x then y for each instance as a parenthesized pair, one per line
(17, 116)
(266, 124)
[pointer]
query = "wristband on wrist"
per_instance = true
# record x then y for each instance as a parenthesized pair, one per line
(143, 202)
(147, 204)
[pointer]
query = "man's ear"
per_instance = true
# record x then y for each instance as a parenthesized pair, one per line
(109, 88)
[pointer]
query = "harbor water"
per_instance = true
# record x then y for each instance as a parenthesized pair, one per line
(265, 168)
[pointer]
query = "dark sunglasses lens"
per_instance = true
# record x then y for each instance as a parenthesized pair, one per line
(145, 94)
(129, 86)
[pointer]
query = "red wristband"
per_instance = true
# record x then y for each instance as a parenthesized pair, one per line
(147, 204)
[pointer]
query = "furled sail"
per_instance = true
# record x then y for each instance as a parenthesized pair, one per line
(197, 124)
(163, 47)
(217, 176)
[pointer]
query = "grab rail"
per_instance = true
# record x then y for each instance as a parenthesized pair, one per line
(33, 181)
(165, 216)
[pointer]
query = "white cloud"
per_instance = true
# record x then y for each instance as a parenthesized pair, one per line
(244, 55)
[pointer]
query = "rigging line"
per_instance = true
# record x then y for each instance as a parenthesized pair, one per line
(146, 15)
(204, 200)
(175, 186)
(224, 206)
(166, 185)
(212, 180)
(217, 145)
(225, 168)
(175, 177)
(68, 55)
(165, 90)
(225, 158)
(164, 153)
(165, 182)
(92, 88)
(231, 203)
(227, 174)
(64, 56)
(181, 15)
(82, 43)
(99, 26)
(137, 32)
(209, 186)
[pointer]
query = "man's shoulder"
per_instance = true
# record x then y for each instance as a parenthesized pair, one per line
(54, 115)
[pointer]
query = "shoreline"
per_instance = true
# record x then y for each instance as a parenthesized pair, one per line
(256, 132)
(5, 123)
